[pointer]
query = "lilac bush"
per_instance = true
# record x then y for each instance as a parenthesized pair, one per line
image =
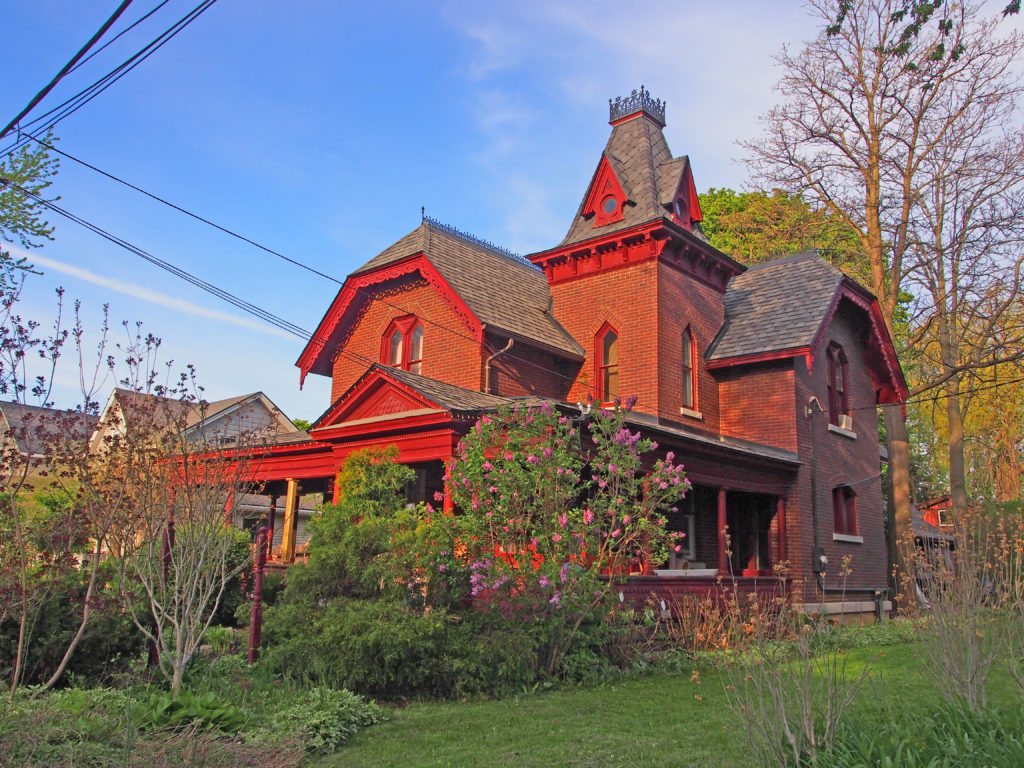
(552, 507)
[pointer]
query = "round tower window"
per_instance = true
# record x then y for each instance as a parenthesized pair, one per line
(610, 205)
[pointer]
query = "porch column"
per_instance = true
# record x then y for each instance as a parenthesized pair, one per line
(291, 507)
(780, 522)
(271, 517)
(723, 545)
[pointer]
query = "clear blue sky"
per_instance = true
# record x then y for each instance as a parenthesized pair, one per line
(319, 128)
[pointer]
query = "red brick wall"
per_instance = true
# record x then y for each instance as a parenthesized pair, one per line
(684, 301)
(758, 403)
(449, 352)
(839, 460)
(627, 299)
(526, 370)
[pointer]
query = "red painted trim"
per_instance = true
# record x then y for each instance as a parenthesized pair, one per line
(604, 184)
(638, 113)
(893, 389)
(356, 394)
(759, 357)
(320, 350)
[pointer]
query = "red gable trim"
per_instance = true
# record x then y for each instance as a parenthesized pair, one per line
(321, 348)
(363, 393)
(605, 184)
(763, 357)
(885, 368)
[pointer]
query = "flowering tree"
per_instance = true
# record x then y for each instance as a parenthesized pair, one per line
(538, 534)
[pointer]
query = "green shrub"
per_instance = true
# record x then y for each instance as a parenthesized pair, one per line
(220, 639)
(109, 646)
(325, 719)
(207, 711)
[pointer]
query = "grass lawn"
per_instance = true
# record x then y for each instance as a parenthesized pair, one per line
(654, 720)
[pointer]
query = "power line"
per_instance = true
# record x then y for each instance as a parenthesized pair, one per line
(67, 67)
(83, 97)
(278, 322)
(180, 209)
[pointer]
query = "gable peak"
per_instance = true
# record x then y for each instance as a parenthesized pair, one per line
(637, 103)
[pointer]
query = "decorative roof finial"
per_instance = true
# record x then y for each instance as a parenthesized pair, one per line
(637, 101)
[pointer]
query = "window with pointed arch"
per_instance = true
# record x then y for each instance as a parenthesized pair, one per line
(844, 510)
(689, 368)
(838, 394)
(608, 363)
(403, 344)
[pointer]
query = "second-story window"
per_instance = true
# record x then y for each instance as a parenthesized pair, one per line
(608, 363)
(403, 344)
(689, 370)
(838, 396)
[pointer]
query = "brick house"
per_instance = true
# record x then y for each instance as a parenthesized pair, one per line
(763, 380)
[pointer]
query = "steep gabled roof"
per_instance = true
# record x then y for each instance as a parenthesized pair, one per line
(776, 306)
(429, 394)
(650, 177)
(33, 427)
(505, 293)
(782, 308)
(158, 411)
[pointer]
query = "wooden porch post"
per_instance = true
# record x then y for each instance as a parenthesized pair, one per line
(780, 522)
(271, 522)
(291, 507)
(723, 556)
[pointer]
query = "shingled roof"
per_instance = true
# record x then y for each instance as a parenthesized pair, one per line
(448, 396)
(776, 306)
(506, 293)
(643, 164)
(33, 427)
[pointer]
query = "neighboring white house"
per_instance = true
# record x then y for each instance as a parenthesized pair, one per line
(220, 423)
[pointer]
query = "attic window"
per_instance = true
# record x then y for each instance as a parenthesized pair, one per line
(610, 205)
(838, 394)
(402, 345)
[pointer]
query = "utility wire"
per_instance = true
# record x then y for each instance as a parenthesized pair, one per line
(67, 67)
(318, 339)
(120, 34)
(76, 102)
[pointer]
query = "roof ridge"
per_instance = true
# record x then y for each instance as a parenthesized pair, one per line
(497, 250)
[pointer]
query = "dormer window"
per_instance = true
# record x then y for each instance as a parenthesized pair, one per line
(606, 198)
(608, 363)
(403, 344)
(838, 394)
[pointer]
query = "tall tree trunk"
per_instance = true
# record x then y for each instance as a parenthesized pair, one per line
(900, 516)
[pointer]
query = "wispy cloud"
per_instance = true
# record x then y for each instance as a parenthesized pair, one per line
(145, 294)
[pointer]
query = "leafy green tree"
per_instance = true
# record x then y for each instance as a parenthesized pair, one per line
(758, 226)
(32, 168)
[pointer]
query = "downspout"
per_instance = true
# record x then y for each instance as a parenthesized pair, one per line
(818, 560)
(487, 365)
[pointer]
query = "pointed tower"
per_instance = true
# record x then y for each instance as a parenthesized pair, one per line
(634, 280)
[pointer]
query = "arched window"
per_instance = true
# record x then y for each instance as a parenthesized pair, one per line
(416, 349)
(396, 348)
(608, 363)
(689, 366)
(844, 510)
(403, 344)
(838, 395)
